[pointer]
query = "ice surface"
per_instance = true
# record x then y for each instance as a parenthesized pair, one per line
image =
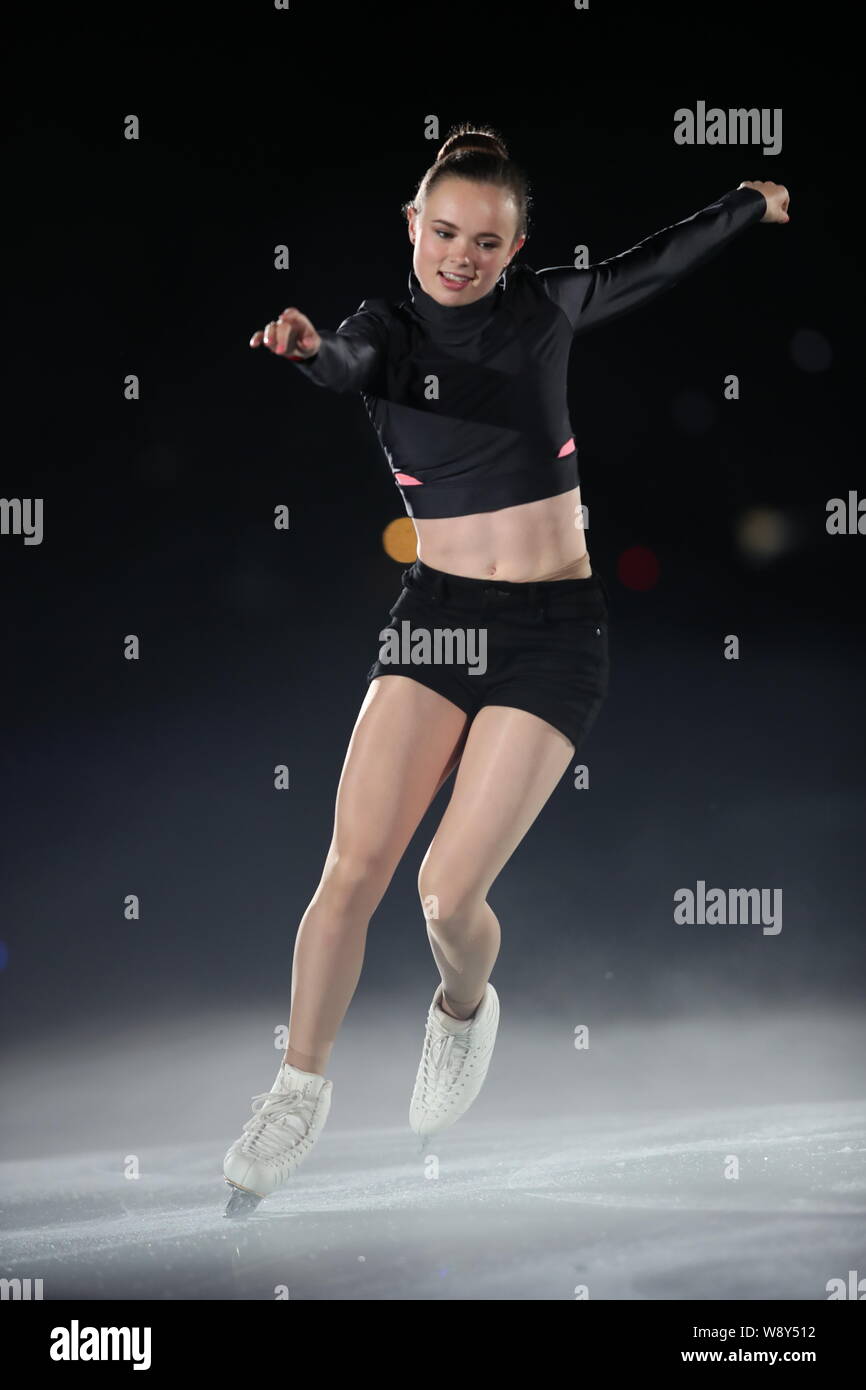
(570, 1168)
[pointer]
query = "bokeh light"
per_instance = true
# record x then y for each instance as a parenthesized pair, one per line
(810, 350)
(399, 541)
(693, 412)
(764, 533)
(638, 568)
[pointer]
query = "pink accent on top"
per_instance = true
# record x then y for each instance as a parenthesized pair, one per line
(407, 480)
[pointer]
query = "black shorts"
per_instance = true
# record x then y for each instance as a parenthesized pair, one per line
(539, 646)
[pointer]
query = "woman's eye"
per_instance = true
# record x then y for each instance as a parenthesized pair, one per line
(485, 245)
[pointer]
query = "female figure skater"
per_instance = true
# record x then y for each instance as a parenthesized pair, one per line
(465, 383)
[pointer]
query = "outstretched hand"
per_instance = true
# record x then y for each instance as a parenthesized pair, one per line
(291, 335)
(777, 197)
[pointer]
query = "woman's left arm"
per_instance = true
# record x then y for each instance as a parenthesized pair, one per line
(616, 286)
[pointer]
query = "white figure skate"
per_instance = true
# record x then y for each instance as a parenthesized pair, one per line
(286, 1122)
(453, 1064)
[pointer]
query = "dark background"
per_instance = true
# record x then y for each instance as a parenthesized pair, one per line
(155, 777)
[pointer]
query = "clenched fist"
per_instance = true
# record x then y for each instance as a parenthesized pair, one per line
(291, 335)
(777, 198)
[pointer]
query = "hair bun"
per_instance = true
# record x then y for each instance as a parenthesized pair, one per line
(478, 140)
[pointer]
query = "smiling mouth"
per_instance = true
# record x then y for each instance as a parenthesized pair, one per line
(458, 279)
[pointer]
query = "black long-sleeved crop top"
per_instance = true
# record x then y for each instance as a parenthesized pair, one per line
(469, 401)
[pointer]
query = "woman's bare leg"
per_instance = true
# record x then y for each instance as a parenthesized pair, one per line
(406, 741)
(511, 763)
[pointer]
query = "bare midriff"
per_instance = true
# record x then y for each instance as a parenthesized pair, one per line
(536, 541)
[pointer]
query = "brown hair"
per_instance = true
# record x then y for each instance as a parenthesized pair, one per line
(479, 154)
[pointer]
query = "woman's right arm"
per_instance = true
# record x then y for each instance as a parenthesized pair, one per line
(348, 359)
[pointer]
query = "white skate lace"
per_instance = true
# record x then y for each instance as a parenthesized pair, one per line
(276, 1111)
(447, 1055)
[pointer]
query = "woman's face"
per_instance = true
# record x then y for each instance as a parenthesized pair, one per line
(467, 228)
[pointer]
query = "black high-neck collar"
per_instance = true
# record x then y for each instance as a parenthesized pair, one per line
(456, 318)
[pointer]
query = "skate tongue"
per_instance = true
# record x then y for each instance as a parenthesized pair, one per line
(453, 1025)
(447, 1021)
(291, 1078)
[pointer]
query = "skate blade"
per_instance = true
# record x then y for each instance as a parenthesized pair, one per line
(423, 1140)
(241, 1202)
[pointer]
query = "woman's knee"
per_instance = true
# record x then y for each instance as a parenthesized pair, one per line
(448, 903)
(356, 879)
